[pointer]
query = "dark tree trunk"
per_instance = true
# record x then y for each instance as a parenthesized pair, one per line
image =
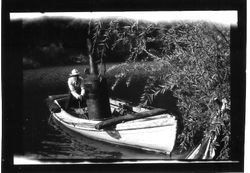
(97, 97)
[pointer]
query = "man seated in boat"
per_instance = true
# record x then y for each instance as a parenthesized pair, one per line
(77, 91)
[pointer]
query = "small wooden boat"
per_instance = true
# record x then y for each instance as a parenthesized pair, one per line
(155, 133)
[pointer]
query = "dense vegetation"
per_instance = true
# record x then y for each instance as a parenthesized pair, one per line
(52, 41)
(183, 67)
(188, 73)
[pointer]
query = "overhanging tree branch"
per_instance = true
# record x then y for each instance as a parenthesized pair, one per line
(150, 54)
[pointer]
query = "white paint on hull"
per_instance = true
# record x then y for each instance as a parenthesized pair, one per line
(155, 133)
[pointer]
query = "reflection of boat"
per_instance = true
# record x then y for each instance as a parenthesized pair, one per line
(156, 133)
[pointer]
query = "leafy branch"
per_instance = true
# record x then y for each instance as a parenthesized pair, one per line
(189, 60)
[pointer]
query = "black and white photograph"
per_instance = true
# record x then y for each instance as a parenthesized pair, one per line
(123, 87)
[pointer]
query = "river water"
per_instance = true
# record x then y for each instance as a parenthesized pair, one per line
(45, 139)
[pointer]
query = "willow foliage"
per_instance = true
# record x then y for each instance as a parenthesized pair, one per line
(189, 60)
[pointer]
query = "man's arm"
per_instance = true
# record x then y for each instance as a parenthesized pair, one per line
(72, 90)
(82, 88)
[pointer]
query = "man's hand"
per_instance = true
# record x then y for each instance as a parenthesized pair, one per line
(78, 97)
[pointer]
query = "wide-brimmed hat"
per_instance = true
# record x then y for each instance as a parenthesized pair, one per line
(74, 72)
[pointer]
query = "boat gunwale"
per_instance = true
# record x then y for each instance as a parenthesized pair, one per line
(91, 127)
(91, 124)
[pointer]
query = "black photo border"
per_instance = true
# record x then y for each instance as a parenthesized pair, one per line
(12, 81)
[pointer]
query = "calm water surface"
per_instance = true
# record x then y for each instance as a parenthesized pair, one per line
(44, 138)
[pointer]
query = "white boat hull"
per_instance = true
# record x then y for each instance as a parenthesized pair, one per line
(157, 133)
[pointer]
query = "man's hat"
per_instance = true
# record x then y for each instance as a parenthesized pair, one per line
(74, 72)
